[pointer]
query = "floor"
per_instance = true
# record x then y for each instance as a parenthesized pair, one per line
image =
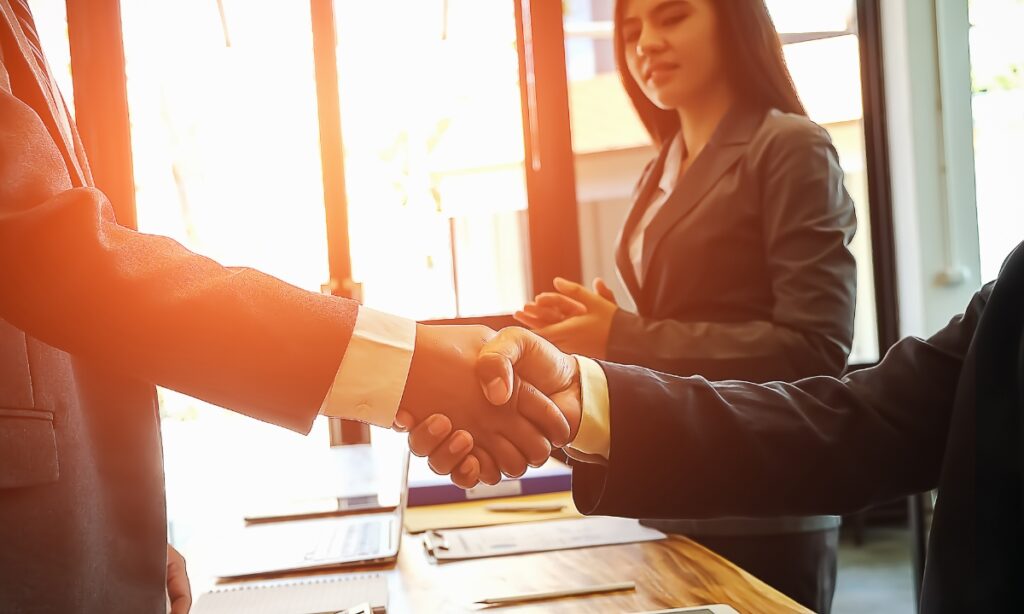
(875, 577)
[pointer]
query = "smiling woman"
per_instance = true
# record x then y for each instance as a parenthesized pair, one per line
(735, 256)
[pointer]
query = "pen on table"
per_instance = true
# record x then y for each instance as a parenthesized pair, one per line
(569, 592)
(525, 507)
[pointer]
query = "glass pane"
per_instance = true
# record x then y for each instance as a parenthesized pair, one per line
(224, 132)
(612, 147)
(433, 141)
(226, 153)
(997, 67)
(51, 19)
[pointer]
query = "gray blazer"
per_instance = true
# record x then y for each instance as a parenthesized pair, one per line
(747, 270)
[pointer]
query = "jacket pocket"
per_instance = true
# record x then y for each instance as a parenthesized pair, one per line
(28, 448)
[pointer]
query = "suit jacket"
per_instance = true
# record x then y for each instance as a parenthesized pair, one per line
(943, 413)
(747, 274)
(92, 315)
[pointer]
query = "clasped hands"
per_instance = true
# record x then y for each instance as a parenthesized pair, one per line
(480, 404)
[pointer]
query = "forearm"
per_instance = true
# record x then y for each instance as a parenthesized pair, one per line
(688, 447)
(758, 351)
(146, 306)
(737, 449)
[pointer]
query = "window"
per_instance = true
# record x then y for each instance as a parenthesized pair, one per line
(52, 26)
(611, 147)
(227, 161)
(434, 156)
(997, 67)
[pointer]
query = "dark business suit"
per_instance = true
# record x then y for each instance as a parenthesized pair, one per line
(91, 314)
(944, 413)
(746, 275)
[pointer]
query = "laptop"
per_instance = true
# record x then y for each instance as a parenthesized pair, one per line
(350, 540)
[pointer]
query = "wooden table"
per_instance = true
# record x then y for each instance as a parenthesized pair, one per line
(672, 573)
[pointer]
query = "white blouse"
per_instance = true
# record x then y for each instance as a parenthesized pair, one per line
(660, 195)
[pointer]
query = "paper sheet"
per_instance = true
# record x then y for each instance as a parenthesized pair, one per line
(459, 544)
(296, 595)
(475, 513)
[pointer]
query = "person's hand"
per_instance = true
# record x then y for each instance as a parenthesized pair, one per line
(179, 592)
(587, 331)
(513, 352)
(549, 308)
(449, 453)
(442, 380)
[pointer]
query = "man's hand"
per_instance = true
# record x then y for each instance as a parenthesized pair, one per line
(506, 436)
(506, 362)
(179, 592)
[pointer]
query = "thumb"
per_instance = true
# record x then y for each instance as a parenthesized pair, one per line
(575, 291)
(603, 290)
(494, 369)
(533, 358)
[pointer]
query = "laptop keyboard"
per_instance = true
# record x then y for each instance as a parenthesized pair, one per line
(352, 540)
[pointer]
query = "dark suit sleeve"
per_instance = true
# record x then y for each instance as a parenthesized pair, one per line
(808, 222)
(147, 307)
(685, 447)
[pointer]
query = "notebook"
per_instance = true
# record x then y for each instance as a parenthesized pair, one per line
(304, 595)
(428, 488)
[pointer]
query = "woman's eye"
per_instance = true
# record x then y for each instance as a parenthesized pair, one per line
(673, 19)
(631, 36)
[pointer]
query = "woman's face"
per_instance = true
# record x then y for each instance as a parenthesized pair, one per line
(672, 49)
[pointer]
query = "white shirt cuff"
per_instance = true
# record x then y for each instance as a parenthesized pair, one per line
(593, 439)
(374, 369)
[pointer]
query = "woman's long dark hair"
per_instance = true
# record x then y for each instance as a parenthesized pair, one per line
(754, 63)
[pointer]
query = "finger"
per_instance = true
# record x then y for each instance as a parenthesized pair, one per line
(551, 315)
(510, 460)
(489, 472)
(527, 320)
(494, 368)
(467, 474)
(532, 445)
(544, 414)
(536, 360)
(404, 421)
(565, 305)
(575, 291)
(430, 434)
(179, 592)
(603, 290)
(451, 452)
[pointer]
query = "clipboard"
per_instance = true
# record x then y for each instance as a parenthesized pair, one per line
(529, 537)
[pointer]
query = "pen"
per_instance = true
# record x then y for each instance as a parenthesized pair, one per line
(569, 592)
(525, 507)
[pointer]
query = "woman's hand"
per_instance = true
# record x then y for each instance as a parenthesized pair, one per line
(586, 330)
(549, 308)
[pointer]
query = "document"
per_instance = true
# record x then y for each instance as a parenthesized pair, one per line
(297, 595)
(476, 513)
(460, 544)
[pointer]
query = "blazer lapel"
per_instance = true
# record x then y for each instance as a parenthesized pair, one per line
(640, 202)
(20, 60)
(720, 154)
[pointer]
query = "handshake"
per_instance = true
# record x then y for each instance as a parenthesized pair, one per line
(480, 404)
